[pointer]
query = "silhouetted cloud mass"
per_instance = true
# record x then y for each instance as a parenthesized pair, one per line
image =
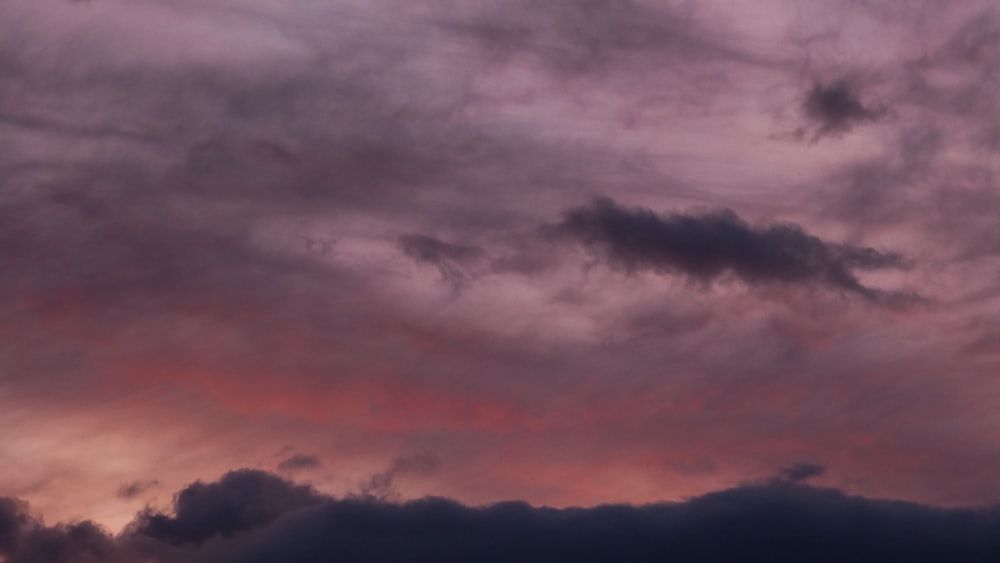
(24, 539)
(241, 500)
(708, 246)
(13, 521)
(255, 517)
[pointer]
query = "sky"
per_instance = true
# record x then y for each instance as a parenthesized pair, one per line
(594, 260)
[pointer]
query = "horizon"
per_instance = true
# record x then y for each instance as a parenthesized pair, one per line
(253, 515)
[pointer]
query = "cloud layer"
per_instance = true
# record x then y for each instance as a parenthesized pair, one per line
(357, 242)
(250, 516)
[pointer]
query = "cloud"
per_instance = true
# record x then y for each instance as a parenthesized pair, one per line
(298, 462)
(430, 250)
(82, 542)
(958, 76)
(777, 522)
(798, 473)
(135, 488)
(578, 38)
(239, 501)
(708, 246)
(449, 259)
(24, 539)
(836, 108)
(382, 485)
(13, 521)
(198, 242)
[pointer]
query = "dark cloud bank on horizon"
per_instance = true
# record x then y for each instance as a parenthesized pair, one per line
(254, 516)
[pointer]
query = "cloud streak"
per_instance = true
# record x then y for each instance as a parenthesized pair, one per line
(709, 246)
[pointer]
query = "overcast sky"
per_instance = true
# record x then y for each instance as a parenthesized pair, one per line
(569, 252)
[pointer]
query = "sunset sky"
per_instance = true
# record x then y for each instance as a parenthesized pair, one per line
(564, 252)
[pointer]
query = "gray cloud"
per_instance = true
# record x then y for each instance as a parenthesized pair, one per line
(24, 539)
(798, 473)
(382, 485)
(430, 250)
(451, 260)
(706, 247)
(239, 501)
(135, 488)
(579, 38)
(14, 520)
(836, 108)
(298, 462)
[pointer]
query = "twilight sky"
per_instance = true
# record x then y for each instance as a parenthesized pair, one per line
(569, 252)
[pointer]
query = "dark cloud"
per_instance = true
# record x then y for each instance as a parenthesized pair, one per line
(708, 246)
(382, 485)
(450, 259)
(82, 542)
(799, 472)
(135, 488)
(298, 462)
(776, 522)
(13, 521)
(24, 539)
(772, 523)
(239, 501)
(430, 250)
(836, 108)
